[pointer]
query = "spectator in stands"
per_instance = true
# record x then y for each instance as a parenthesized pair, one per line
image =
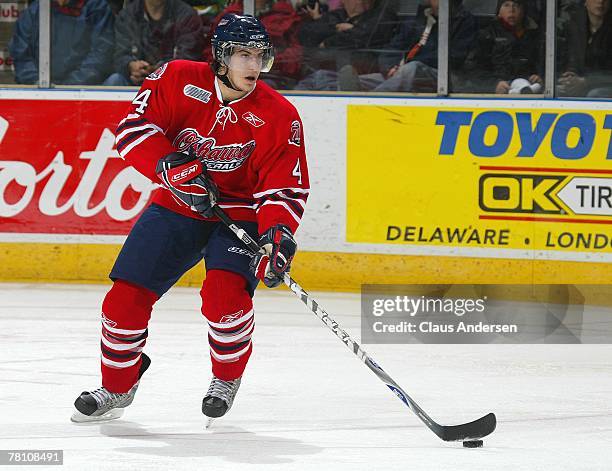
(81, 42)
(411, 65)
(415, 68)
(344, 36)
(115, 6)
(508, 54)
(585, 50)
(324, 5)
(536, 9)
(282, 23)
(149, 33)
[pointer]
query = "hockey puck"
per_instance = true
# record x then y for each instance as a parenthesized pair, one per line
(473, 444)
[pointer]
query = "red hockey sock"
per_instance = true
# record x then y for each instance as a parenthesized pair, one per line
(126, 311)
(229, 310)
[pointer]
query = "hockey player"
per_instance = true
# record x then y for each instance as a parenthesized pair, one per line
(210, 135)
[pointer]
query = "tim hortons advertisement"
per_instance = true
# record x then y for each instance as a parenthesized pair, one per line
(513, 178)
(60, 173)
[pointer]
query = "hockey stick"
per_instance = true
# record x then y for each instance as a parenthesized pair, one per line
(464, 432)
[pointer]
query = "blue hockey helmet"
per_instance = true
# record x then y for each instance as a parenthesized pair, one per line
(243, 31)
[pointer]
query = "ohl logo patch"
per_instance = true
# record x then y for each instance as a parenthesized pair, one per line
(197, 93)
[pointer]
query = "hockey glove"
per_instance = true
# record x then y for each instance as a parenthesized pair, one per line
(184, 175)
(274, 260)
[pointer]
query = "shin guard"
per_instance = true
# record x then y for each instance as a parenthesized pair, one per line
(228, 307)
(126, 311)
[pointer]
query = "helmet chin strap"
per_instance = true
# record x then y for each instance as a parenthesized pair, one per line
(224, 78)
(227, 82)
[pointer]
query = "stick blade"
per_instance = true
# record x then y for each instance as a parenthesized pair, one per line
(470, 431)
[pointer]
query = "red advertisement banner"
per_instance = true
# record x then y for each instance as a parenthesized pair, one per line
(60, 172)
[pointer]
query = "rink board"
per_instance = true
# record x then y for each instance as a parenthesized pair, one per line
(509, 178)
(315, 271)
(395, 180)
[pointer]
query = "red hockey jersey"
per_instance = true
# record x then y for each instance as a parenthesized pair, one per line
(253, 147)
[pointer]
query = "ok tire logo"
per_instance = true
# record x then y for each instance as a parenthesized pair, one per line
(505, 193)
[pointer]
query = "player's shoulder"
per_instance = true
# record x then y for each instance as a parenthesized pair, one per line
(276, 105)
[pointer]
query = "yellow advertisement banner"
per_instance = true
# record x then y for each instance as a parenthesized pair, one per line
(507, 178)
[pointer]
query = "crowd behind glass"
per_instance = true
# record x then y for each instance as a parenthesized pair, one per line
(494, 46)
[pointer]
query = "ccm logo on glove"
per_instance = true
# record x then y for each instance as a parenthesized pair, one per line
(184, 176)
(181, 174)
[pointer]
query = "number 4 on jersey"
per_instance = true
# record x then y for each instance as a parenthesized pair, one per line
(141, 100)
(297, 172)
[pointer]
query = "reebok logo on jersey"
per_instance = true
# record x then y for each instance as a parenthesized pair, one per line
(252, 119)
(107, 322)
(197, 93)
(156, 75)
(218, 158)
(231, 317)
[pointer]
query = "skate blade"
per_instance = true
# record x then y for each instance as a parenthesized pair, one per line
(209, 422)
(80, 418)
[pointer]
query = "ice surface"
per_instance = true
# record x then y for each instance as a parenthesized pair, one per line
(306, 403)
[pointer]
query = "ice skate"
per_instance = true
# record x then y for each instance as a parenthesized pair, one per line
(102, 405)
(219, 398)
